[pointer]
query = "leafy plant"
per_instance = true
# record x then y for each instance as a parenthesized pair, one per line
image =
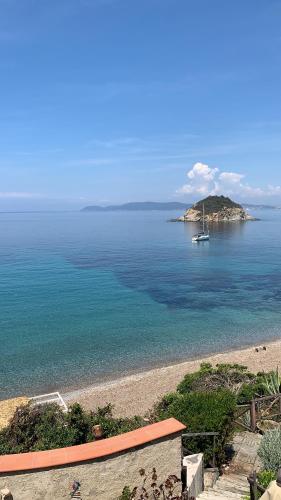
(265, 477)
(270, 450)
(112, 426)
(233, 377)
(272, 382)
(201, 412)
(46, 427)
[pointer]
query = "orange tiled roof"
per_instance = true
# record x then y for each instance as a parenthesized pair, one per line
(89, 451)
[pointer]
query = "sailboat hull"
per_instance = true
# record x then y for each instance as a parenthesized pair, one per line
(201, 237)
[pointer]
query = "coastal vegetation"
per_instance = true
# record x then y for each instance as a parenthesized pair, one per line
(205, 400)
(216, 209)
(236, 378)
(270, 450)
(215, 204)
(201, 412)
(45, 427)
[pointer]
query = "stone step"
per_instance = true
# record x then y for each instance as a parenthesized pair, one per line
(237, 478)
(229, 486)
(227, 493)
(230, 491)
(238, 484)
(212, 495)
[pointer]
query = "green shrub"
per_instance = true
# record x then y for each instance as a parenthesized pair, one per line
(80, 422)
(272, 382)
(215, 204)
(112, 426)
(126, 494)
(46, 427)
(201, 412)
(36, 428)
(233, 377)
(270, 450)
(265, 477)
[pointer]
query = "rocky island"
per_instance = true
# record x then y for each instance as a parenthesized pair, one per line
(217, 209)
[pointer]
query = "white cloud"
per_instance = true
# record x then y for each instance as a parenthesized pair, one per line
(202, 171)
(231, 177)
(204, 180)
(19, 195)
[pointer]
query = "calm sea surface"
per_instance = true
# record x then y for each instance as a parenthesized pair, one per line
(90, 296)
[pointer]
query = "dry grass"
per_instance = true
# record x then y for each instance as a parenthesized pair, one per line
(8, 408)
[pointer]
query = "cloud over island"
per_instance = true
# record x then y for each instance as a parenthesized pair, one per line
(204, 180)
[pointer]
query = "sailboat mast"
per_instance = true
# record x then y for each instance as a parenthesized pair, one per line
(203, 218)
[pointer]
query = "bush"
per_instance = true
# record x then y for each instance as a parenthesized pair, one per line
(46, 427)
(201, 412)
(112, 426)
(270, 450)
(272, 382)
(233, 377)
(36, 428)
(265, 477)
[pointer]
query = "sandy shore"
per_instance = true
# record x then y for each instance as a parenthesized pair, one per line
(135, 394)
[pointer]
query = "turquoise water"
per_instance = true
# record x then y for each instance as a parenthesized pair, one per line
(88, 296)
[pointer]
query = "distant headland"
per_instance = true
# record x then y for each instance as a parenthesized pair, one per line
(139, 205)
(217, 209)
(162, 205)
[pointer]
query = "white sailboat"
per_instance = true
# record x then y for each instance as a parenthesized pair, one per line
(202, 236)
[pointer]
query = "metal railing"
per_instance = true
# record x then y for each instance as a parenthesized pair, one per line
(201, 434)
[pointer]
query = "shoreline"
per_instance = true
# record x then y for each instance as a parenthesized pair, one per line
(135, 394)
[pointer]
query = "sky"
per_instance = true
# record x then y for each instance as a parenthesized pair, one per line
(110, 101)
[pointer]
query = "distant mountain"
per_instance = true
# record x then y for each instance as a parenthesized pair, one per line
(259, 207)
(139, 205)
(212, 203)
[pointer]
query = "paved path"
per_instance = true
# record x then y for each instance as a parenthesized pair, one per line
(233, 484)
(245, 446)
(227, 487)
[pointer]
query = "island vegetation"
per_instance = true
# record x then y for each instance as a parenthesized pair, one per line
(216, 209)
(214, 204)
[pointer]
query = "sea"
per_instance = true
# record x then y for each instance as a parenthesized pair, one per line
(87, 297)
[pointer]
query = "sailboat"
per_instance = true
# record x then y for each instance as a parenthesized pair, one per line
(202, 236)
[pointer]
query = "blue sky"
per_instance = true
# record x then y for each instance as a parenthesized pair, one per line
(108, 101)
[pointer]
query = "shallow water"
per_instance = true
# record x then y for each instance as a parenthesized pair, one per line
(89, 296)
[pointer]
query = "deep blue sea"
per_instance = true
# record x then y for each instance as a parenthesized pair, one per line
(93, 296)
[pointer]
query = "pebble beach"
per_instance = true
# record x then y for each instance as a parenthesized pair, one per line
(136, 394)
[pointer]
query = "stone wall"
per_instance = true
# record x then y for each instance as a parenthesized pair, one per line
(102, 478)
(194, 473)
